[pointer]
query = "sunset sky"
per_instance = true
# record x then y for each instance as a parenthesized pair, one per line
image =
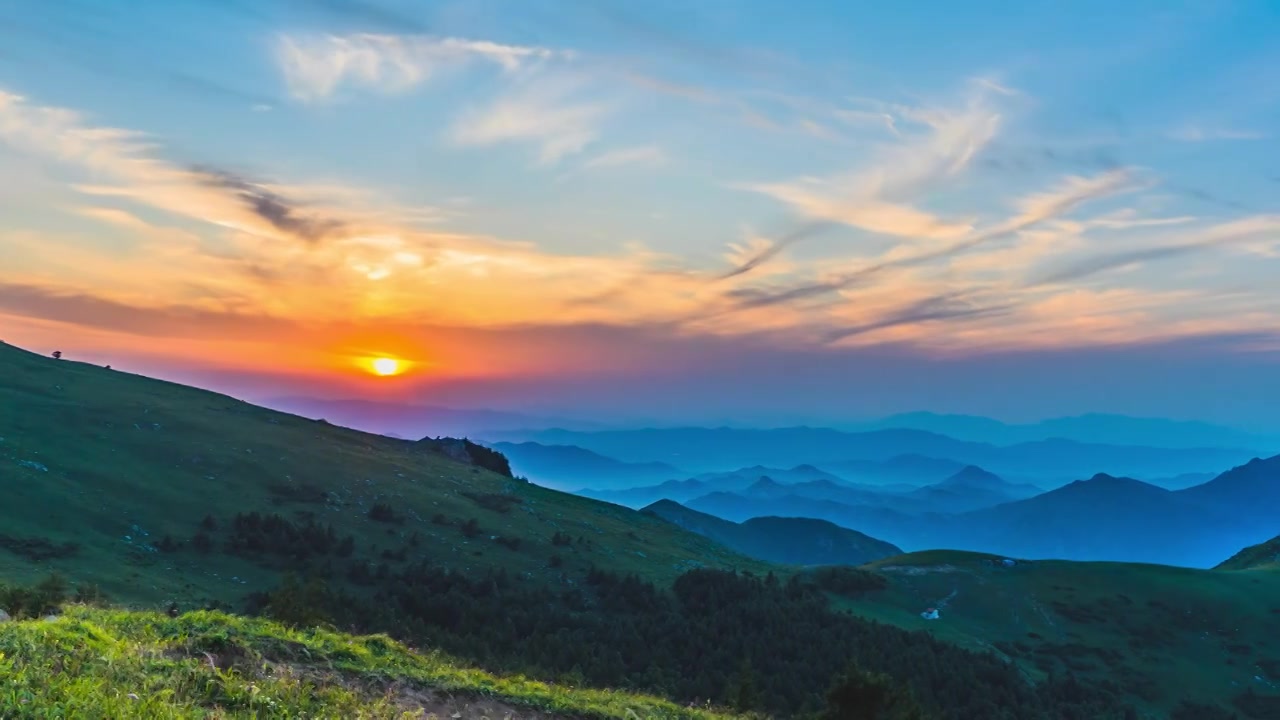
(766, 210)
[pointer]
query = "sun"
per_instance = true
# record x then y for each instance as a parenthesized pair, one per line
(385, 366)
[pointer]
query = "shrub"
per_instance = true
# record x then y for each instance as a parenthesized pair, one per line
(45, 597)
(202, 543)
(488, 458)
(37, 549)
(848, 580)
(497, 502)
(382, 512)
(860, 695)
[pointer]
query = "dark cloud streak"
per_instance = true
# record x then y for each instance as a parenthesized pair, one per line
(777, 246)
(283, 214)
(951, 306)
(1096, 264)
(90, 311)
(750, 298)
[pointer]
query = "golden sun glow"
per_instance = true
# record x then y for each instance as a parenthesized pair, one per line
(386, 366)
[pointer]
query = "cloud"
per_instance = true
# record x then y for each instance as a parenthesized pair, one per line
(128, 165)
(358, 247)
(638, 155)
(283, 214)
(303, 253)
(879, 198)
(862, 117)
(113, 216)
(1127, 219)
(316, 66)
(765, 250)
(1070, 193)
(1223, 234)
(544, 110)
(819, 199)
(96, 311)
(949, 306)
(1034, 209)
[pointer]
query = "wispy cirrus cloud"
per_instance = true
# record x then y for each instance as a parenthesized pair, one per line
(881, 197)
(1228, 233)
(1033, 210)
(647, 155)
(362, 262)
(558, 113)
(317, 66)
(936, 308)
(270, 246)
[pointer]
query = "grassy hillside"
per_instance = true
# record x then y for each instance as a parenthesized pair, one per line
(160, 493)
(790, 541)
(1165, 634)
(98, 467)
(1263, 556)
(119, 664)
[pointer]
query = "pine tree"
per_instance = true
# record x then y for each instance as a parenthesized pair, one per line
(860, 695)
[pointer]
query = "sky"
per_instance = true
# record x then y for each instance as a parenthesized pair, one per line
(762, 211)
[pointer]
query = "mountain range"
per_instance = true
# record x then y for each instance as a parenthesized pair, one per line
(565, 467)
(1089, 428)
(788, 541)
(1043, 461)
(968, 488)
(1102, 518)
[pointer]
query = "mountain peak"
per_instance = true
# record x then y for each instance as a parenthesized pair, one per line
(1255, 481)
(974, 476)
(662, 505)
(1110, 485)
(764, 483)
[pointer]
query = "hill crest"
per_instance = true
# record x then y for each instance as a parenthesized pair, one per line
(785, 540)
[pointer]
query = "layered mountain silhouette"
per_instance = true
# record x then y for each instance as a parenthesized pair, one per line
(800, 476)
(1090, 427)
(1047, 462)
(971, 488)
(1103, 518)
(791, 541)
(565, 467)
(910, 470)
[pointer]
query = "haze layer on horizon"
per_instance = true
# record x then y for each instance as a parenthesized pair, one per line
(668, 210)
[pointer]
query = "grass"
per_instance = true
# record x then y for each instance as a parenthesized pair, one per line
(114, 664)
(98, 465)
(1165, 634)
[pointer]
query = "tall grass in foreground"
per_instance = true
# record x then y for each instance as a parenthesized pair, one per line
(105, 663)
